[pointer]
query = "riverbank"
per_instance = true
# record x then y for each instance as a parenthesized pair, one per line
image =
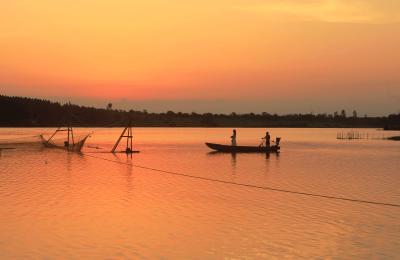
(29, 112)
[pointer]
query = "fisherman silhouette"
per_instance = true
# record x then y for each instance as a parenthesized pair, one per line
(233, 138)
(267, 139)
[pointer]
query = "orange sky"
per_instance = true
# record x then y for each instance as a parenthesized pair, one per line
(300, 54)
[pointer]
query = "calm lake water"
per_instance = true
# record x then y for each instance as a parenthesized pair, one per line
(55, 204)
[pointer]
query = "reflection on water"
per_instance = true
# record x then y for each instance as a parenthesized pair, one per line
(233, 155)
(127, 159)
(55, 204)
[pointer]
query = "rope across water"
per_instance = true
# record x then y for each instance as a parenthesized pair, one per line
(251, 185)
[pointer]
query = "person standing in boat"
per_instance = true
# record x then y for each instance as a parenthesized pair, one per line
(267, 139)
(233, 138)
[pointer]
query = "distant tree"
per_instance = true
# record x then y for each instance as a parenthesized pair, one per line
(18, 112)
(335, 114)
(354, 114)
(322, 116)
(208, 119)
(343, 113)
(109, 106)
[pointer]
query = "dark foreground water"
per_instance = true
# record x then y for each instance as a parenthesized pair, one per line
(55, 204)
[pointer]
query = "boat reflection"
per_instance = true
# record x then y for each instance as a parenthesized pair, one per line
(235, 159)
(233, 163)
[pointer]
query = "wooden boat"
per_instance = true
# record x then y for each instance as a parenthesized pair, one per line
(69, 144)
(243, 149)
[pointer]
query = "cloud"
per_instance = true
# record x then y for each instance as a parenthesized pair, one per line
(334, 11)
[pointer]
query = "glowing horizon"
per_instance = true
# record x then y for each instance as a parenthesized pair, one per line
(323, 51)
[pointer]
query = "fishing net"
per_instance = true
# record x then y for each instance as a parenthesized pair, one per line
(61, 137)
(9, 140)
(12, 139)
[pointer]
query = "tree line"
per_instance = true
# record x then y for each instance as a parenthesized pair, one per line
(31, 112)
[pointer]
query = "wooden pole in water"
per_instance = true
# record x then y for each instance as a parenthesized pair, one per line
(129, 148)
(127, 139)
(72, 136)
(131, 140)
(126, 133)
(119, 140)
(58, 129)
(68, 129)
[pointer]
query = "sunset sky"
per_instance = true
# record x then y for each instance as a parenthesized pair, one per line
(279, 56)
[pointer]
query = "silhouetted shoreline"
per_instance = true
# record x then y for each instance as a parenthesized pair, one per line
(30, 112)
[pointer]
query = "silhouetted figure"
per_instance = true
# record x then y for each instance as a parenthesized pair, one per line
(267, 139)
(233, 138)
(277, 141)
